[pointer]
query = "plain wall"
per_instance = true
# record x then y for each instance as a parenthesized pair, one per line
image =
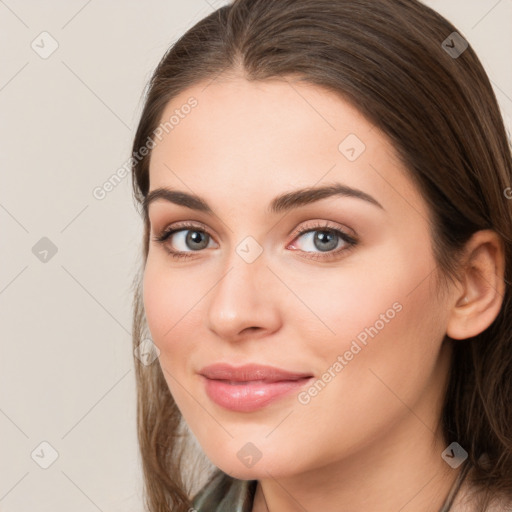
(66, 126)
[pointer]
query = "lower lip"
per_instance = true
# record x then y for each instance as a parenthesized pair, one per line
(250, 396)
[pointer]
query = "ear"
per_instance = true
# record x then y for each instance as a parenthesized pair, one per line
(477, 305)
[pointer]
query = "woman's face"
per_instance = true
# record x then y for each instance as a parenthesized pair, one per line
(362, 321)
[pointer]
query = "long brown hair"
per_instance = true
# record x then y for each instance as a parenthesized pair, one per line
(387, 58)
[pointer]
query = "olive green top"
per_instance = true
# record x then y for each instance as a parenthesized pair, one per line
(223, 493)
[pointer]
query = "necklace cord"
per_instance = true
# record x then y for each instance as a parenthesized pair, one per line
(447, 505)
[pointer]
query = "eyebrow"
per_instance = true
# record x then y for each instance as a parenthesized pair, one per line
(281, 203)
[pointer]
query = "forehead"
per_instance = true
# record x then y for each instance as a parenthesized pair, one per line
(273, 114)
(239, 135)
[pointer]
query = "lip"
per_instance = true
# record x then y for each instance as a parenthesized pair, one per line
(250, 387)
(250, 372)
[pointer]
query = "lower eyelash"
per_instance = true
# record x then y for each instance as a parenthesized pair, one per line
(179, 255)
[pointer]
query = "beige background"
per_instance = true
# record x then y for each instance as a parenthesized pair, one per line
(66, 125)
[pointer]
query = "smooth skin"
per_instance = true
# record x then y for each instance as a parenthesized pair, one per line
(370, 439)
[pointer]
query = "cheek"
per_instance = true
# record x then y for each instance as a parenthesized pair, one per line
(381, 314)
(158, 305)
(169, 305)
(388, 285)
(171, 318)
(397, 321)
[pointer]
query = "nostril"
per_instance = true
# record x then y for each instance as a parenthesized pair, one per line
(252, 328)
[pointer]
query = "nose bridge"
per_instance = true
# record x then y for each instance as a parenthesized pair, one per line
(238, 300)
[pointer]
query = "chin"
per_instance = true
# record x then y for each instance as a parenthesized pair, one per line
(250, 470)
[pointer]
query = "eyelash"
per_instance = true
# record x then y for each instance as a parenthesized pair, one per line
(350, 241)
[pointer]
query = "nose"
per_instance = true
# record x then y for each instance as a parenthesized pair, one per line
(244, 302)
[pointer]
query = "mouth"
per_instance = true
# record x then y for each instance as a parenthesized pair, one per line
(250, 387)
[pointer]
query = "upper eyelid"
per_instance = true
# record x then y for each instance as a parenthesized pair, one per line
(182, 226)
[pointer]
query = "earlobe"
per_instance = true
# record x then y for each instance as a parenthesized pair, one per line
(479, 303)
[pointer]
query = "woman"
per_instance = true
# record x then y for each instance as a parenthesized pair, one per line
(326, 264)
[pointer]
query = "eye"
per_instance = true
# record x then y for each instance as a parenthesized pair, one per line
(183, 240)
(187, 238)
(322, 237)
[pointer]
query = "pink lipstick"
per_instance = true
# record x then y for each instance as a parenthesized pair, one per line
(250, 387)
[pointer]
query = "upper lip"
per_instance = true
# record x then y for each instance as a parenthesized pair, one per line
(250, 372)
